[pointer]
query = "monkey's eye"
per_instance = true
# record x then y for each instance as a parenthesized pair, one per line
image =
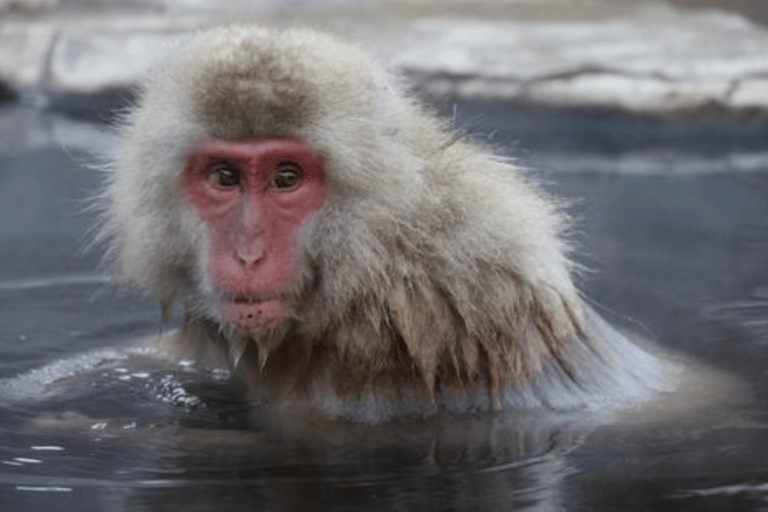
(224, 175)
(288, 176)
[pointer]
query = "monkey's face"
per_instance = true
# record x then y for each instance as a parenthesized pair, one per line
(254, 197)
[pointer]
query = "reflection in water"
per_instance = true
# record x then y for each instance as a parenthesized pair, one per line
(87, 423)
(148, 433)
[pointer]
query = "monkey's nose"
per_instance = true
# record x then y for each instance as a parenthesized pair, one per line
(250, 255)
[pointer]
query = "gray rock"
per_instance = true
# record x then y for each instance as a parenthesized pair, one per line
(648, 58)
(25, 52)
(659, 61)
(750, 93)
(95, 61)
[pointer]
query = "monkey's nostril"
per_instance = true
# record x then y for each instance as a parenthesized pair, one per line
(251, 255)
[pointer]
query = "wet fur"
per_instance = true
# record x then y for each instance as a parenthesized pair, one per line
(434, 276)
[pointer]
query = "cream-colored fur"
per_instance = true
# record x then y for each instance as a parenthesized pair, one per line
(434, 276)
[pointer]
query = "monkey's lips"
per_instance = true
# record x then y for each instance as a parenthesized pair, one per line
(255, 310)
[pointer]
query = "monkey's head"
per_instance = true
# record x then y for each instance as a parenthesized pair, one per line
(244, 151)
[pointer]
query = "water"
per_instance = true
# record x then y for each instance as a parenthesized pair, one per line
(672, 217)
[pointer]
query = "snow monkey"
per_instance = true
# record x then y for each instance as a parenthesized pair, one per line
(344, 250)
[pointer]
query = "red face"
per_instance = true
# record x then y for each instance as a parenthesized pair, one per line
(254, 196)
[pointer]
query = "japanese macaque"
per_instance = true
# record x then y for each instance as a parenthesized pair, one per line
(344, 250)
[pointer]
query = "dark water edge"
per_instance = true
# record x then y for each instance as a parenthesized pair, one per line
(681, 253)
(523, 131)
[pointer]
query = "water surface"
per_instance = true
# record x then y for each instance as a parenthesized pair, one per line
(672, 219)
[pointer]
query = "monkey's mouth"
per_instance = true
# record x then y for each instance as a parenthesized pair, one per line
(250, 299)
(254, 310)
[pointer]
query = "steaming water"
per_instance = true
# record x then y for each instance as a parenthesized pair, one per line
(672, 218)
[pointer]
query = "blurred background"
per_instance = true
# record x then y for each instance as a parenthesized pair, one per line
(680, 57)
(651, 119)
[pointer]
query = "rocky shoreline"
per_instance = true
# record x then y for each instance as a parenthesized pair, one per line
(641, 57)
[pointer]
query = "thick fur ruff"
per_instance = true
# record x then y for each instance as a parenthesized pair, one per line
(434, 276)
